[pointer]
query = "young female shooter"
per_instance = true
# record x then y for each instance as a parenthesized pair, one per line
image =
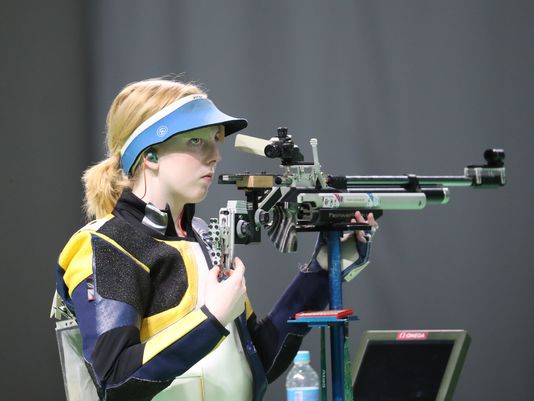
(155, 321)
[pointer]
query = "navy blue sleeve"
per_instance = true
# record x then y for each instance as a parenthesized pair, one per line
(278, 341)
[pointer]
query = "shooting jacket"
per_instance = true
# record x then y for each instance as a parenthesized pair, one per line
(133, 285)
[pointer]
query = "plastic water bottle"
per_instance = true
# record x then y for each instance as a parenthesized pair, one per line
(302, 382)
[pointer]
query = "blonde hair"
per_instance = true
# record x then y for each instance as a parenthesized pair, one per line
(135, 103)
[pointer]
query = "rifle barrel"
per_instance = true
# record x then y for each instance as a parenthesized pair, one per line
(434, 196)
(355, 181)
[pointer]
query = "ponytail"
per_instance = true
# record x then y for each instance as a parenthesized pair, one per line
(104, 183)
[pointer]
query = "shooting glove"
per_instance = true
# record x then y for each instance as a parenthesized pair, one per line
(354, 254)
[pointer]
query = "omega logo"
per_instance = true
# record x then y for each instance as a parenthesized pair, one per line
(412, 335)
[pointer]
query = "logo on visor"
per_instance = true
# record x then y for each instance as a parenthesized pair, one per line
(162, 131)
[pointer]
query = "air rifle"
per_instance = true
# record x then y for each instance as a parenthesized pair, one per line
(303, 198)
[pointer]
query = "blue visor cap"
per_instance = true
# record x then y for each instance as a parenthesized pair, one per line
(197, 113)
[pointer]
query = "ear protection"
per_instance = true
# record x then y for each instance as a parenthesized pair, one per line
(151, 156)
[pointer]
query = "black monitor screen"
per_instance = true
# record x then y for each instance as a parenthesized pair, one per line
(402, 371)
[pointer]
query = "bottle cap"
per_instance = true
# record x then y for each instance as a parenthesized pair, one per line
(302, 357)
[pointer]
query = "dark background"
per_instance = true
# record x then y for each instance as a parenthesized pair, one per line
(386, 87)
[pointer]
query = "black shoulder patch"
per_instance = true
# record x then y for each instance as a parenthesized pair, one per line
(138, 243)
(119, 277)
(168, 277)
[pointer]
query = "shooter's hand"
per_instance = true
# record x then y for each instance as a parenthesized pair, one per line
(355, 248)
(362, 235)
(226, 299)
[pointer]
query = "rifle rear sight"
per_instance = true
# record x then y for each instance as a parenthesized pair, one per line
(284, 148)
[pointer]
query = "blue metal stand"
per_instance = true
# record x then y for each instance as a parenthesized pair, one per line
(337, 332)
(338, 327)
